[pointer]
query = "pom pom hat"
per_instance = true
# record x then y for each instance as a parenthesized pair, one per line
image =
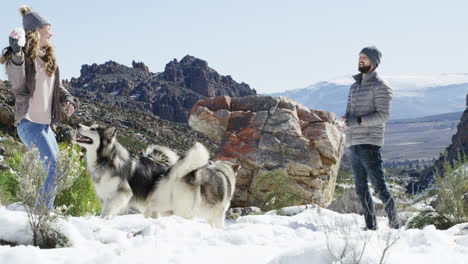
(32, 20)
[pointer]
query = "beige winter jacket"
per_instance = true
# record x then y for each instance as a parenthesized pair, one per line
(369, 98)
(22, 76)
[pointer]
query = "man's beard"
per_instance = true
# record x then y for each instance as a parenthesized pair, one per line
(364, 69)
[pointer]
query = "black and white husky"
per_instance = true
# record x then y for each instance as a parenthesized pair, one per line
(157, 182)
(120, 180)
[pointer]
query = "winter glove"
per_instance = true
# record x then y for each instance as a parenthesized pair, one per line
(14, 45)
(353, 121)
(17, 39)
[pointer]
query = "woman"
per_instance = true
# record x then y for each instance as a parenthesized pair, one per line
(35, 80)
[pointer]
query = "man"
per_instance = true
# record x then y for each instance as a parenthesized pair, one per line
(367, 112)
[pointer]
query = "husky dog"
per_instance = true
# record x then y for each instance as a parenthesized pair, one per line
(196, 188)
(122, 181)
(157, 182)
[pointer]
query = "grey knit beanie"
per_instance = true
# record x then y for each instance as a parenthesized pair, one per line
(373, 54)
(32, 20)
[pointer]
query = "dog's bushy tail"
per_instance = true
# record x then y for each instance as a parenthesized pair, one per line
(195, 158)
(161, 154)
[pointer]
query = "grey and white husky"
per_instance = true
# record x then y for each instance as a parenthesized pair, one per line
(120, 180)
(194, 191)
(157, 182)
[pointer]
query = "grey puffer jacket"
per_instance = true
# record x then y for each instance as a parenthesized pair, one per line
(22, 76)
(369, 98)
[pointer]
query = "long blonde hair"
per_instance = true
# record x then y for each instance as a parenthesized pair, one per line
(31, 51)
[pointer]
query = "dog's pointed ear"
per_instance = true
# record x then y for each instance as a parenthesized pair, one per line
(110, 132)
(236, 167)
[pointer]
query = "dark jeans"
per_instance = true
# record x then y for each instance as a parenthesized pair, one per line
(367, 164)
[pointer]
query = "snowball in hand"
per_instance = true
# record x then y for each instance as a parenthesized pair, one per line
(22, 36)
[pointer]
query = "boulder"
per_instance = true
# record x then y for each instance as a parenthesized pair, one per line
(349, 203)
(265, 133)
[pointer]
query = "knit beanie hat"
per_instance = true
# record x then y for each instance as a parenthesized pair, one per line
(373, 54)
(32, 20)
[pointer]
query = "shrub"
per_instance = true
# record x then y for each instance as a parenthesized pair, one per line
(276, 189)
(78, 199)
(31, 177)
(8, 187)
(344, 178)
(8, 181)
(428, 217)
(451, 189)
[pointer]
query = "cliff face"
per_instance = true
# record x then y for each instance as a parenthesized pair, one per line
(169, 95)
(460, 139)
(458, 146)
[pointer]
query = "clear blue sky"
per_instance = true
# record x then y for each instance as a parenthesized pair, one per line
(271, 45)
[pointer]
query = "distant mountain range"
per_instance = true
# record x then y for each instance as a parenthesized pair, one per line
(169, 94)
(414, 96)
(455, 116)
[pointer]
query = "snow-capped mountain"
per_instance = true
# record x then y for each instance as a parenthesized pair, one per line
(413, 96)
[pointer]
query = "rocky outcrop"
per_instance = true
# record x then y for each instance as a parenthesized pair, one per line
(194, 74)
(460, 139)
(140, 65)
(169, 94)
(264, 133)
(459, 146)
(7, 106)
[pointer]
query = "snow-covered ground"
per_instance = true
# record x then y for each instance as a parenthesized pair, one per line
(270, 238)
